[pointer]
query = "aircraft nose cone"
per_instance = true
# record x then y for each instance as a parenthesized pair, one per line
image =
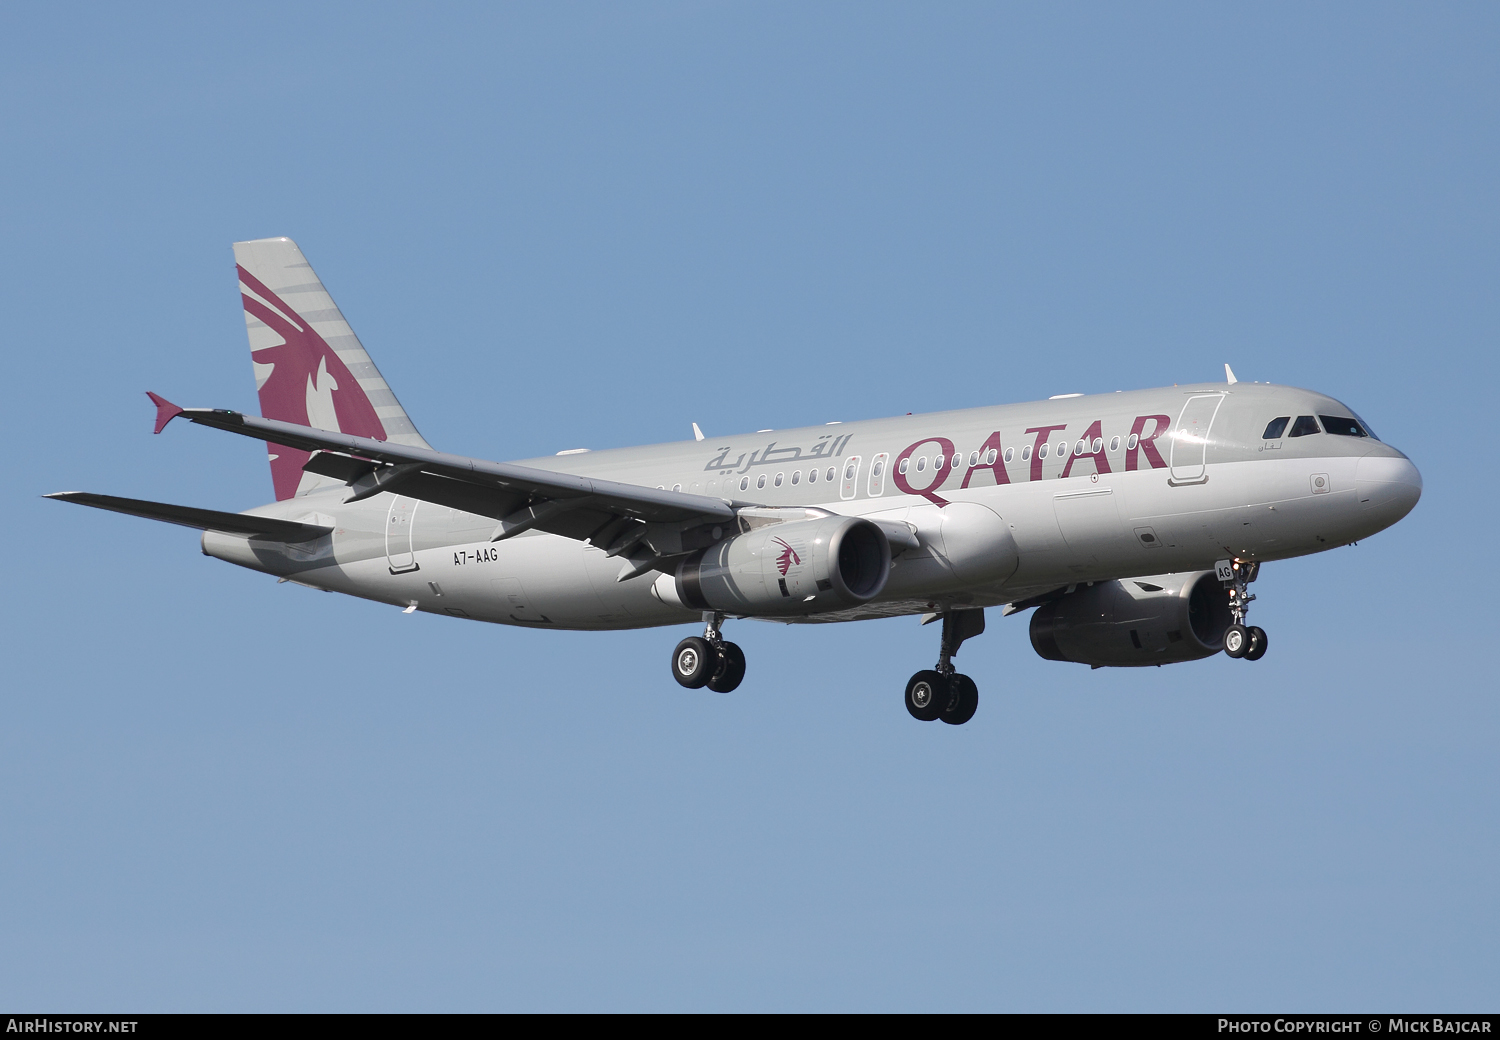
(1389, 486)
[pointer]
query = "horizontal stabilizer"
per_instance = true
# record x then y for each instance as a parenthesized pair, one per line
(203, 519)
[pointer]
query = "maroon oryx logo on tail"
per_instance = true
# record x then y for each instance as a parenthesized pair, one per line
(787, 558)
(304, 370)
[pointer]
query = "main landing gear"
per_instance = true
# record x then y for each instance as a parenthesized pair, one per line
(708, 660)
(1239, 641)
(942, 693)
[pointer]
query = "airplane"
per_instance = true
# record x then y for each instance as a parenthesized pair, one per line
(1132, 524)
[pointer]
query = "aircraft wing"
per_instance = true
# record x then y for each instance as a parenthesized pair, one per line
(519, 497)
(203, 519)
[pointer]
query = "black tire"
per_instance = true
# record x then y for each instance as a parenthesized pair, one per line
(693, 662)
(729, 668)
(963, 703)
(927, 695)
(1258, 643)
(1236, 640)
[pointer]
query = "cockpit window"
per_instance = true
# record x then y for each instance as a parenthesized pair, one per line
(1276, 427)
(1342, 426)
(1304, 425)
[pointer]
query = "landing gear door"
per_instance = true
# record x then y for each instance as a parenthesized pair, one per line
(399, 524)
(1190, 439)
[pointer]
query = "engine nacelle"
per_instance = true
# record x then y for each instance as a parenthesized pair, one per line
(801, 567)
(1160, 619)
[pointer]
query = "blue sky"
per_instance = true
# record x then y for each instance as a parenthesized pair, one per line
(565, 225)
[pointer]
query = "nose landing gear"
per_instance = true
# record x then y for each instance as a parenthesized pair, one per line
(708, 660)
(1239, 641)
(943, 693)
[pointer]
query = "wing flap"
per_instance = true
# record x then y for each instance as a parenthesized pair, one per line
(202, 519)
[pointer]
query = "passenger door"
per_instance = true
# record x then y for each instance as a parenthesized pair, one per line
(399, 525)
(1190, 439)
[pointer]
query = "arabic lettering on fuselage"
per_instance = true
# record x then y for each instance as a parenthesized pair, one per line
(1140, 451)
(828, 446)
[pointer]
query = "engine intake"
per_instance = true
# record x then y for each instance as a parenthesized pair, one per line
(1161, 619)
(801, 567)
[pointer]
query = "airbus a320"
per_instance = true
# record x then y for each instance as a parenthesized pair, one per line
(1132, 524)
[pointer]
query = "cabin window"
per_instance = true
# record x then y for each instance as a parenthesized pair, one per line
(829, 474)
(761, 482)
(1130, 444)
(744, 483)
(779, 478)
(1098, 445)
(1341, 425)
(1081, 448)
(849, 473)
(937, 463)
(1010, 455)
(922, 463)
(973, 458)
(1041, 452)
(796, 476)
(1026, 452)
(1276, 427)
(812, 476)
(676, 487)
(1304, 426)
(904, 464)
(878, 469)
(1114, 444)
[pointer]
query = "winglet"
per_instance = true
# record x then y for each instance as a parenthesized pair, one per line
(166, 411)
(1229, 373)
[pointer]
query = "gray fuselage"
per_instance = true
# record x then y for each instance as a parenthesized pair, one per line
(1150, 482)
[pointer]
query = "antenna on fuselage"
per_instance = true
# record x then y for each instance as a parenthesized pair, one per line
(697, 433)
(1228, 374)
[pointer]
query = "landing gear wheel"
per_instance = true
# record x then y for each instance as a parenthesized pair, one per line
(729, 668)
(927, 694)
(1236, 640)
(693, 662)
(1258, 643)
(963, 701)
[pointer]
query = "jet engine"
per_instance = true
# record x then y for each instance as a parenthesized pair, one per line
(800, 567)
(1160, 619)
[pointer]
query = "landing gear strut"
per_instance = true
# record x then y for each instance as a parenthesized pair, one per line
(708, 660)
(1239, 641)
(942, 693)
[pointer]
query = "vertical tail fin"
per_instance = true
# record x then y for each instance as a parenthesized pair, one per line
(310, 368)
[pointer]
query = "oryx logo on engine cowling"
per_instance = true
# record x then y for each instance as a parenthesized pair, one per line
(787, 558)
